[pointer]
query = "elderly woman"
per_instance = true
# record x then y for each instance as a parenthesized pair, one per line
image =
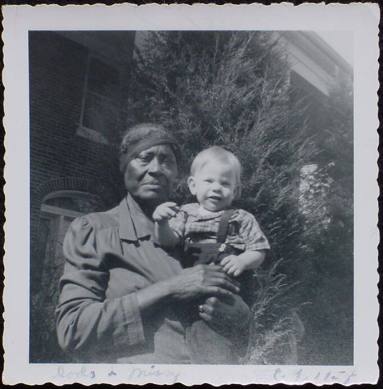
(123, 299)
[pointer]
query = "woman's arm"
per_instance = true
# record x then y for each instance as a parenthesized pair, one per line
(86, 318)
(198, 281)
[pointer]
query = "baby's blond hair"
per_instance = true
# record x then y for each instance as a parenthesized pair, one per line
(220, 155)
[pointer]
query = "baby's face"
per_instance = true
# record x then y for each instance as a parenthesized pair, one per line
(214, 185)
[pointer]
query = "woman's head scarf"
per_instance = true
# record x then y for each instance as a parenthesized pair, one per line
(142, 137)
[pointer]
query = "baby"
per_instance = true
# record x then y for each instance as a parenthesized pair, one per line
(215, 181)
(211, 231)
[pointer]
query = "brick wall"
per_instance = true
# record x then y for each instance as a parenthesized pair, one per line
(60, 159)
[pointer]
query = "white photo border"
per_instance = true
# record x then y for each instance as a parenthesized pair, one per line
(361, 19)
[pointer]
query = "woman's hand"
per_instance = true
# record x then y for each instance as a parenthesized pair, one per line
(200, 281)
(230, 315)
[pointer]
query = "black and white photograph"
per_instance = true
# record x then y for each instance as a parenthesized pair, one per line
(136, 137)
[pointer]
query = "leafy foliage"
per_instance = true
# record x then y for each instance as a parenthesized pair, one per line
(331, 248)
(232, 89)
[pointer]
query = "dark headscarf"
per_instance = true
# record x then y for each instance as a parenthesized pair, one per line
(143, 136)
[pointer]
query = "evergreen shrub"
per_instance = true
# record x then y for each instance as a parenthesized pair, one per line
(233, 89)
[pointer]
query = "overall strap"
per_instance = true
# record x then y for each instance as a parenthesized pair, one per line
(224, 225)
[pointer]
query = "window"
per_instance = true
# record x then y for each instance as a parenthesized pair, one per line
(100, 111)
(57, 211)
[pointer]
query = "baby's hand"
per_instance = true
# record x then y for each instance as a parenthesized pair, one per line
(232, 265)
(165, 212)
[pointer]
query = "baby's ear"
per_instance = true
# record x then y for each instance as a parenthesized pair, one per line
(192, 185)
(237, 192)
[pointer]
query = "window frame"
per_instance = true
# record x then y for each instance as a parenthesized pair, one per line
(83, 130)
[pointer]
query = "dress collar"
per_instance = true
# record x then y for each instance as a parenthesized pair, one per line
(134, 224)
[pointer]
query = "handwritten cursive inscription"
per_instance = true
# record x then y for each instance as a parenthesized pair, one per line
(153, 373)
(325, 376)
(64, 372)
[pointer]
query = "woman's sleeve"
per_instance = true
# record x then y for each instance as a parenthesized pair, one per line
(84, 316)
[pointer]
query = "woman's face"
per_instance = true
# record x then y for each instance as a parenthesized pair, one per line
(149, 176)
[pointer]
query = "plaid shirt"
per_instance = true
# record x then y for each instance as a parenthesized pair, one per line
(244, 231)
